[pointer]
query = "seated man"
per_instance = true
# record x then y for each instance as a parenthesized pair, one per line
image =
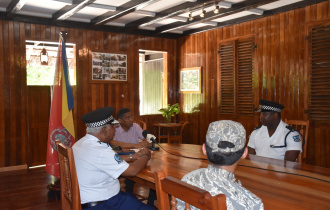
(274, 139)
(98, 166)
(128, 134)
(224, 146)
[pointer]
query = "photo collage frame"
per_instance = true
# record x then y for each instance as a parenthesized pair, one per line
(109, 67)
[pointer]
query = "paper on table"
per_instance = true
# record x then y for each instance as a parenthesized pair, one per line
(135, 150)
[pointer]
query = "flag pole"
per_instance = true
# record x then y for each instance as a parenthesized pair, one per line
(61, 120)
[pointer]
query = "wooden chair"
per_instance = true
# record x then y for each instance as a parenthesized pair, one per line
(70, 196)
(190, 194)
(142, 124)
(177, 136)
(302, 127)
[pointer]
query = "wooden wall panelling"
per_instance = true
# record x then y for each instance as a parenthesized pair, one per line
(23, 96)
(13, 100)
(207, 78)
(258, 76)
(18, 93)
(201, 104)
(274, 52)
(292, 68)
(38, 120)
(131, 91)
(82, 78)
(6, 93)
(2, 99)
(301, 64)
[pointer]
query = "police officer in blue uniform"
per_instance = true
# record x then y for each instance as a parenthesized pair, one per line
(274, 138)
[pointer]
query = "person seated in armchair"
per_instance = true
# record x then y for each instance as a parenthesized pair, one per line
(128, 134)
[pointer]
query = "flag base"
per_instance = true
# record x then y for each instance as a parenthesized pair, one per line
(56, 186)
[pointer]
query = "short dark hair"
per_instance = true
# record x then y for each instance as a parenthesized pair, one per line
(223, 159)
(121, 112)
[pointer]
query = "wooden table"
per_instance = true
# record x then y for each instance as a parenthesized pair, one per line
(167, 126)
(280, 184)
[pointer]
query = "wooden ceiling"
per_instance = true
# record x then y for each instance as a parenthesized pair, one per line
(160, 18)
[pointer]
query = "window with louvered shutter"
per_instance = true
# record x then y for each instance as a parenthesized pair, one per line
(236, 67)
(320, 73)
(227, 88)
(244, 77)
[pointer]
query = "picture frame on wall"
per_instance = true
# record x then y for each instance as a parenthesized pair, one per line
(191, 80)
(108, 66)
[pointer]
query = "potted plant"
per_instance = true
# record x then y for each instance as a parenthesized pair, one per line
(170, 111)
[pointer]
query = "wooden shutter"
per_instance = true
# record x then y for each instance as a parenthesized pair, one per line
(320, 73)
(244, 77)
(236, 67)
(227, 91)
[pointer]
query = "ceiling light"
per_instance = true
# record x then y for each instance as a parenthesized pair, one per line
(190, 17)
(202, 14)
(217, 10)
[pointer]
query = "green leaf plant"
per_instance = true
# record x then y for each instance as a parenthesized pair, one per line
(170, 111)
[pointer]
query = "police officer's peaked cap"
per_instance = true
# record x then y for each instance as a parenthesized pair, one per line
(269, 106)
(99, 117)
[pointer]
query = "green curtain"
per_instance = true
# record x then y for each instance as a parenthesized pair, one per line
(152, 87)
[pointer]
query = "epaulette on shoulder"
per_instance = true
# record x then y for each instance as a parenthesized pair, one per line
(256, 128)
(290, 128)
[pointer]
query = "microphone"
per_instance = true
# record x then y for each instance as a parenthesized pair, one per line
(151, 139)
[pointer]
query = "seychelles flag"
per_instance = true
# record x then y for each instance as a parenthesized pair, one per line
(61, 121)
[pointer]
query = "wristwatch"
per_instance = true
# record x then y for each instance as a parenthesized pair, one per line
(130, 156)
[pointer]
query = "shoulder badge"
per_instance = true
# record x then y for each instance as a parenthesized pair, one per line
(297, 138)
(118, 159)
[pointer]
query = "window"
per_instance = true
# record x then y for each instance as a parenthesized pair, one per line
(152, 81)
(43, 75)
(235, 83)
(319, 70)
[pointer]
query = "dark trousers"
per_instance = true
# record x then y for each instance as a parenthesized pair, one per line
(122, 201)
(152, 193)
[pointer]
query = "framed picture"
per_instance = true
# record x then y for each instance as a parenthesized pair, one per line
(190, 80)
(108, 67)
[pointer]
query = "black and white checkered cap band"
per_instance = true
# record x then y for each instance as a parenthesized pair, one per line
(270, 108)
(100, 123)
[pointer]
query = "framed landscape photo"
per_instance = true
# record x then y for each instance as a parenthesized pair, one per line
(108, 67)
(190, 80)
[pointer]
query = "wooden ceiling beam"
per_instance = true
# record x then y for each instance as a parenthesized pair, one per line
(124, 9)
(14, 7)
(70, 10)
